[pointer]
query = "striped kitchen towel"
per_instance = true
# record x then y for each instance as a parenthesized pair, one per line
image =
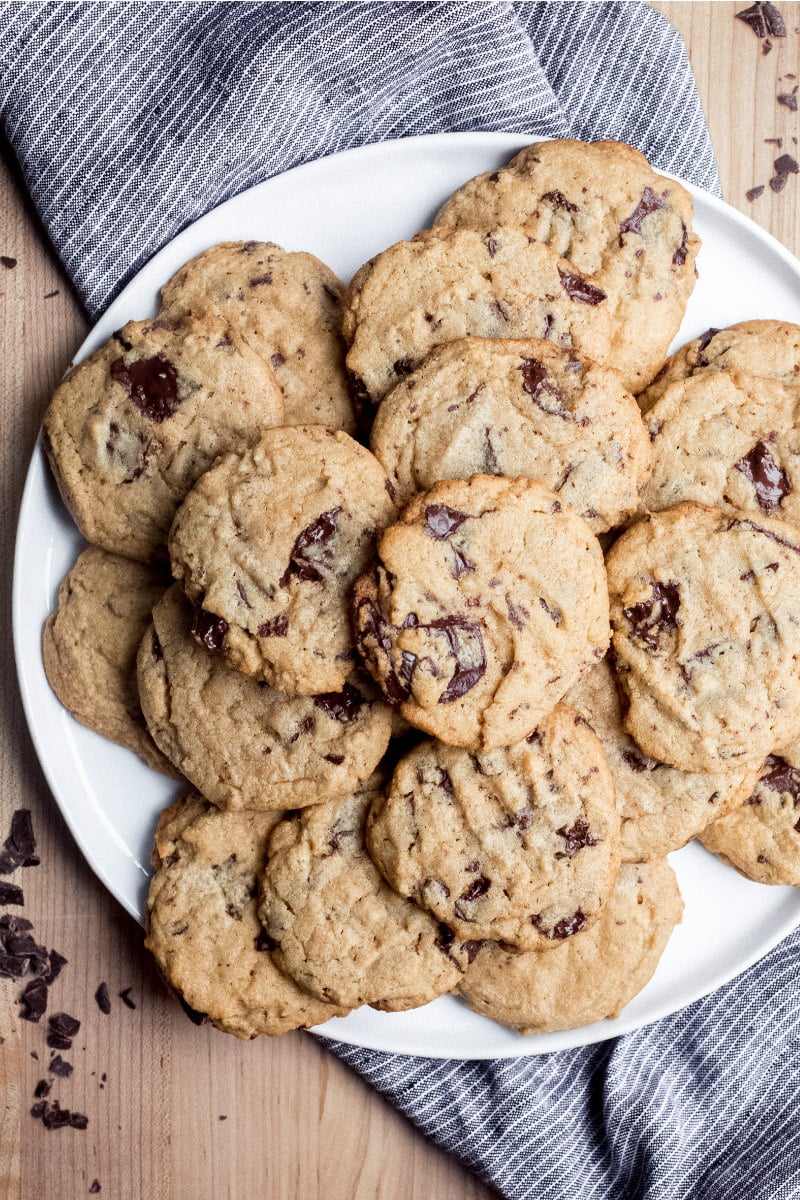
(130, 120)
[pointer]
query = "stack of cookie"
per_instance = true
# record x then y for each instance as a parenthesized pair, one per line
(418, 768)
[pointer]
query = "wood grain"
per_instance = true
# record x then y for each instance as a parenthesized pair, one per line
(299, 1125)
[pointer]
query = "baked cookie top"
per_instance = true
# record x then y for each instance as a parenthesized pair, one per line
(243, 744)
(761, 839)
(341, 932)
(705, 608)
(518, 845)
(769, 349)
(727, 439)
(133, 426)
(516, 408)
(469, 622)
(447, 284)
(287, 307)
(268, 543)
(89, 647)
(661, 808)
(202, 925)
(621, 224)
(589, 977)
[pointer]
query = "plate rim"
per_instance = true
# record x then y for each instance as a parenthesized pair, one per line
(36, 477)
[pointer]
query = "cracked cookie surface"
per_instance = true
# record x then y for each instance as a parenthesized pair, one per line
(518, 845)
(243, 744)
(469, 622)
(268, 544)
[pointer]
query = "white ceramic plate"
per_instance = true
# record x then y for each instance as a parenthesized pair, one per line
(344, 209)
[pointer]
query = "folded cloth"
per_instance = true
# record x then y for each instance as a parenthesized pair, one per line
(129, 120)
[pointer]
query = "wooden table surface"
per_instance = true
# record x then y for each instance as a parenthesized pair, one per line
(297, 1125)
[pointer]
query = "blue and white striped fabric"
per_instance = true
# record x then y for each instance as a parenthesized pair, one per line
(130, 120)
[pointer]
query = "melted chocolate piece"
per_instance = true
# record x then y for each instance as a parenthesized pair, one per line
(461, 564)
(471, 949)
(579, 289)
(371, 625)
(634, 760)
(309, 546)
(210, 629)
(444, 938)
(705, 339)
(516, 615)
(780, 776)
(564, 928)
(476, 889)
(559, 200)
(679, 257)
(260, 280)
(769, 480)
(575, 839)
(441, 521)
(151, 383)
(737, 524)
(651, 617)
(275, 627)
(343, 706)
(535, 378)
(466, 674)
(403, 366)
(650, 202)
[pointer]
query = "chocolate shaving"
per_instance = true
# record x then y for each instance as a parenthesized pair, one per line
(651, 617)
(441, 521)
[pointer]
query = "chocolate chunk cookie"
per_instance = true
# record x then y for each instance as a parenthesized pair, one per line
(286, 307)
(470, 622)
(268, 544)
(762, 838)
(727, 439)
(516, 408)
(661, 808)
(589, 977)
(134, 425)
(627, 229)
(342, 934)
(447, 284)
(704, 607)
(89, 648)
(202, 926)
(519, 845)
(769, 349)
(241, 742)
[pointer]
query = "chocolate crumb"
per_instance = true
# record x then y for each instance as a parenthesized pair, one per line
(778, 182)
(786, 165)
(754, 193)
(103, 999)
(95, 1188)
(222, 1117)
(773, 142)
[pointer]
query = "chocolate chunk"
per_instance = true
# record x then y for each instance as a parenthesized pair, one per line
(788, 101)
(276, 627)
(535, 378)
(310, 548)
(553, 613)
(125, 997)
(11, 894)
(403, 366)
(64, 1024)
(579, 289)
(78, 1120)
(559, 200)
(476, 889)
(19, 848)
(59, 1066)
(42, 1089)
(210, 629)
(705, 339)
(786, 165)
(343, 706)
(575, 839)
(769, 480)
(38, 1109)
(754, 192)
(444, 938)
(12, 967)
(679, 257)
(461, 564)
(442, 522)
(650, 202)
(564, 928)
(277, 360)
(151, 383)
(8, 262)
(764, 19)
(34, 1001)
(197, 1018)
(651, 617)
(466, 646)
(57, 961)
(781, 777)
(336, 759)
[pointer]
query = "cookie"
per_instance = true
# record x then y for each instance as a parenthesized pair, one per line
(447, 284)
(726, 439)
(706, 620)
(516, 408)
(623, 226)
(591, 976)
(762, 838)
(470, 623)
(240, 742)
(342, 934)
(268, 544)
(769, 349)
(286, 307)
(202, 926)
(661, 808)
(518, 845)
(89, 647)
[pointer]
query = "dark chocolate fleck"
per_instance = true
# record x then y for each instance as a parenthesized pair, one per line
(242, 593)
(343, 706)
(275, 627)
(260, 280)
(277, 360)
(517, 614)
(579, 289)
(491, 246)
(634, 759)
(553, 613)
(34, 1001)
(770, 481)
(151, 383)
(679, 257)
(336, 759)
